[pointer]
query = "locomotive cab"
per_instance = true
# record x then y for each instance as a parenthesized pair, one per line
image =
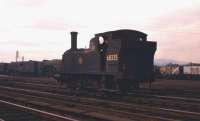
(129, 57)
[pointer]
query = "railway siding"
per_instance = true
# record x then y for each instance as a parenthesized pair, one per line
(141, 107)
(49, 116)
(88, 110)
(126, 110)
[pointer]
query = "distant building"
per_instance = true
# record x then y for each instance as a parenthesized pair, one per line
(170, 69)
(192, 69)
(189, 71)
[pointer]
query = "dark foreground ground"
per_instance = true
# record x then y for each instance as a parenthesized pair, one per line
(174, 84)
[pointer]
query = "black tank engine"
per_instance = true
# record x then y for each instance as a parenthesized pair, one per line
(115, 60)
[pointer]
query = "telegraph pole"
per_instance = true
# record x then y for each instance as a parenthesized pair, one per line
(17, 55)
(22, 58)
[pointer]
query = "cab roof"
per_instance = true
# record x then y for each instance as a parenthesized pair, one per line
(122, 31)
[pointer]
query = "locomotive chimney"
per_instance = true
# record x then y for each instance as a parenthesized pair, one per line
(74, 40)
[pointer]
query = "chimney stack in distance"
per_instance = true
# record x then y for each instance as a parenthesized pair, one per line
(73, 40)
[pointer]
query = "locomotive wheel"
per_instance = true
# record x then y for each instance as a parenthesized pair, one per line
(124, 86)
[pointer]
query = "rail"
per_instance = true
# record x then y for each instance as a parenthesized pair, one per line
(40, 112)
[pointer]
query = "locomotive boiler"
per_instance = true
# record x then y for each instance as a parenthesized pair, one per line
(115, 60)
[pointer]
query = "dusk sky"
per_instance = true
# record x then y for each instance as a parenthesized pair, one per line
(40, 29)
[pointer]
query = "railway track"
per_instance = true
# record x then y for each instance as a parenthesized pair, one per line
(122, 108)
(181, 103)
(80, 108)
(57, 88)
(170, 92)
(14, 112)
(49, 82)
(147, 107)
(35, 80)
(52, 82)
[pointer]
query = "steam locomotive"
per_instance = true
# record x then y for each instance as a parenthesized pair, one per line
(115, 60)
